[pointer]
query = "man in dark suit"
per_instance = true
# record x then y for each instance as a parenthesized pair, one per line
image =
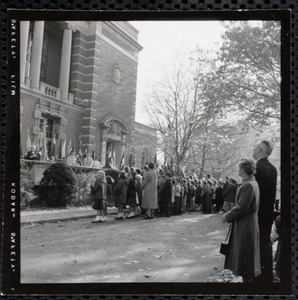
(266, 176)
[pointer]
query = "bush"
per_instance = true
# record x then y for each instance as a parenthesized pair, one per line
(57, 186)
(26, 187)
(84, 182)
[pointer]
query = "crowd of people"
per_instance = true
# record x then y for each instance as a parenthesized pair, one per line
(248, 205)
(152, 193)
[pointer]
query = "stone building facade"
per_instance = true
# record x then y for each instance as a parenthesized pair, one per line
(78, 87)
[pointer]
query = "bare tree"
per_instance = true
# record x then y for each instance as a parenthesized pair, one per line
(177, 109)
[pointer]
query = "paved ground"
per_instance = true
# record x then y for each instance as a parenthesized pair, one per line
(177, 249)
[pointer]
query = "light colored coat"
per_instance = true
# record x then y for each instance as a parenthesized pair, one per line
(244, 256)
(150, 190)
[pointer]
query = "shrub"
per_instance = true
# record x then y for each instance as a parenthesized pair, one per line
(84, 182)
(57, 186)
(27, 193)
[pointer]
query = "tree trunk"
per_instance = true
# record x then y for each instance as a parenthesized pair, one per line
(203, 161)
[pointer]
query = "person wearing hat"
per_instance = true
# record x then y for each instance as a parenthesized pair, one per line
(120, 194)
(149, 187)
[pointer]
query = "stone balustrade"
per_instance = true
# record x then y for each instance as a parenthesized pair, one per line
(50, 91)
(37, 167)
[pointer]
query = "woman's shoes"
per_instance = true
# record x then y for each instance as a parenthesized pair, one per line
(98, 220)
(131, 215)
(120, 216)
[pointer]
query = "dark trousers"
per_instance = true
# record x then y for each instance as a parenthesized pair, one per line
(179, 205)
(165, 207)
(266, 255)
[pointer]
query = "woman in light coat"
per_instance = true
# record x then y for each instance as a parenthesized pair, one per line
(244, 256)
(149, 187)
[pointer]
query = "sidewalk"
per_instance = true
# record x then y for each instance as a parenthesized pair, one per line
(59, 215)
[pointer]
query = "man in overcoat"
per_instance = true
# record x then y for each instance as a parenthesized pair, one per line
(149, 186)
(266, 176)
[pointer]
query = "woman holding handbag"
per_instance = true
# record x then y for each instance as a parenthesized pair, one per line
(244, 254)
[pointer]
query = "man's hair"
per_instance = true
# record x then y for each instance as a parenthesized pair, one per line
(266, 146)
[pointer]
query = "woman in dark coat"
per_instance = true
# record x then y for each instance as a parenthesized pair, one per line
(166, 196)
(99, 195)
(244, 256)
(205, 198)
(120, 194)
(110, 201)
(132, 190)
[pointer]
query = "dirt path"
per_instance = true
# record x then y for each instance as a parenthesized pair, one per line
(177, 249)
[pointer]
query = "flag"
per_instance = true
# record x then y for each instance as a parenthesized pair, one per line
(80, 141)
(121, 167)
(131, 158)
(28, 141)
(93, 152)
(85, 153)
(44, 153)
(182, 174)
(108, 155)
(79, 157)
(58, 146)
(63, 146)
(194, 175)
(114, 157)
(40, 141)
(69, 148)
(54, 148)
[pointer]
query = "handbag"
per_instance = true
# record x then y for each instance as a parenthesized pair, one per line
(226, 245)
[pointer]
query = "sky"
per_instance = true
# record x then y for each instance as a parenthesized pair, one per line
(164, 44)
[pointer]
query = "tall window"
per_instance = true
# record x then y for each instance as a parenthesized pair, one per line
(29, 50)
(46, 126)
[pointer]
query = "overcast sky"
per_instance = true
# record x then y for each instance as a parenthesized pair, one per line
(164, 44)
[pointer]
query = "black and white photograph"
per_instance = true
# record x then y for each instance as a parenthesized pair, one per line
(150, 153)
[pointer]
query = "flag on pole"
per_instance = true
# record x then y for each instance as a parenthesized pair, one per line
(85, 153)
(79, 157)
(114, 157)
(28, 141)
(53, 148)
(40, 141)
(195, 176)
(108, 155)
(121, 167)
(131, 158)
(44, 153)
(93, 152)
(63, 146)
(69, 148)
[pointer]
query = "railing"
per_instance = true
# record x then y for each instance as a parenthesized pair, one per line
(50, 90)
(37, 167)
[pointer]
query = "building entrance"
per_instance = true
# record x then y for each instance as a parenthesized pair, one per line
(114, 152)
(114, 134)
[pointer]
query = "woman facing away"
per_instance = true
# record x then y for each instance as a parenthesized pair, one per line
(244, 256)
(99, 195)
(149, 187)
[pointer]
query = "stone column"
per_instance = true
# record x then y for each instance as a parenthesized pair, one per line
(36, 53)
(24, 35)
(65, 62)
